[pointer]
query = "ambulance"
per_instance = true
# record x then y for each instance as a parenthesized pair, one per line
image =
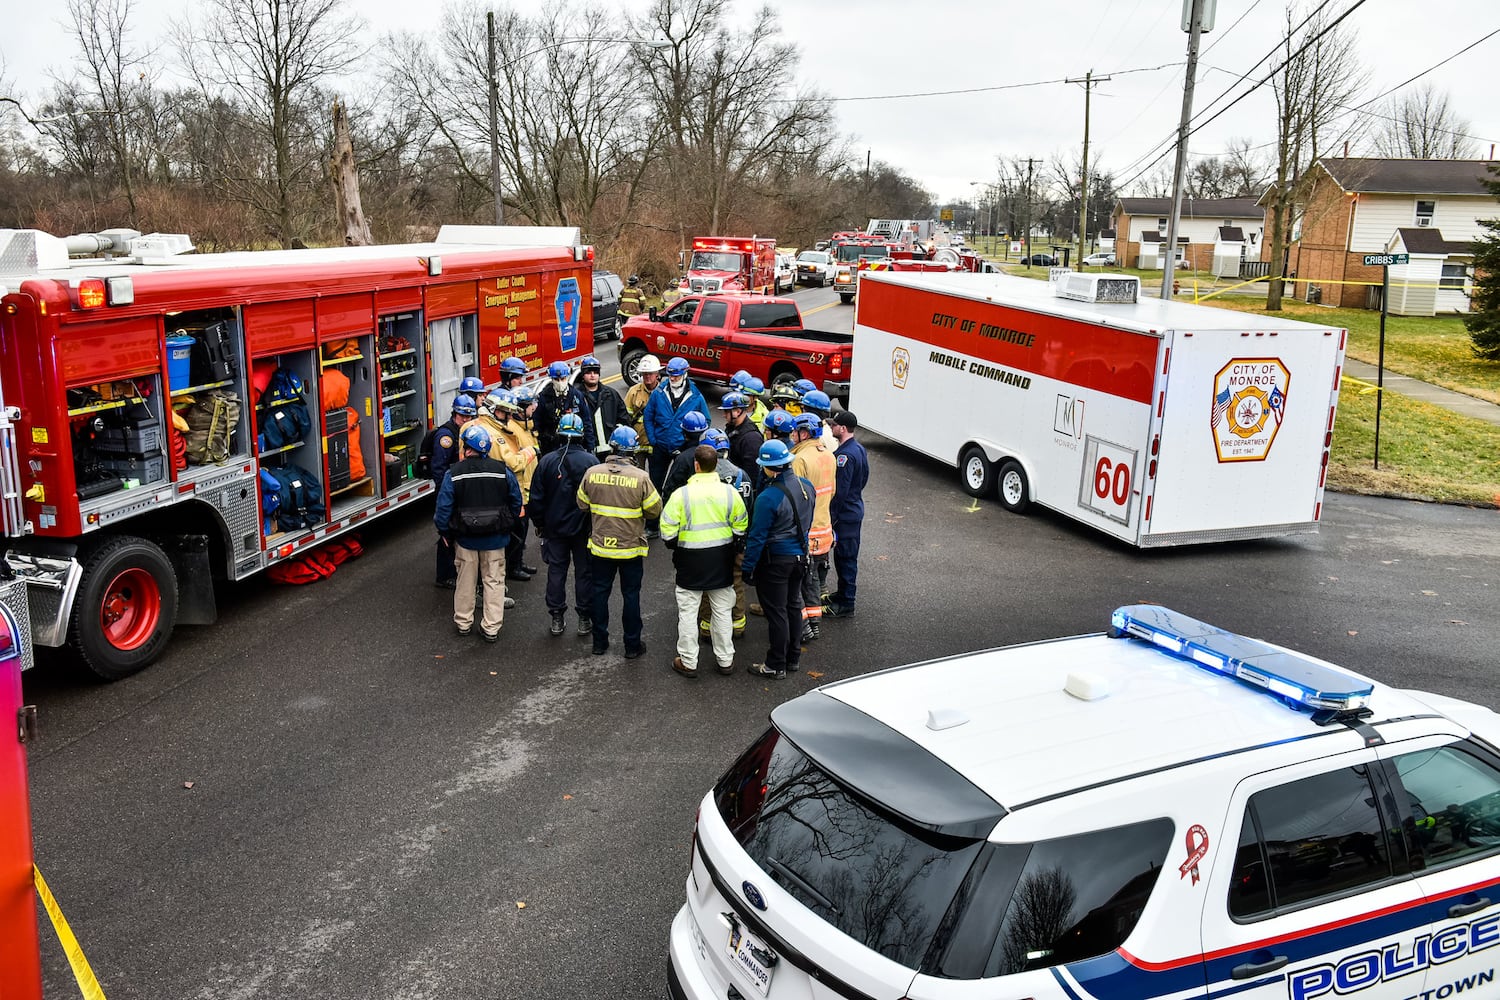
(1159, 423)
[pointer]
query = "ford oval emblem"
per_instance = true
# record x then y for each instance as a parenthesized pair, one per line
(753, 895)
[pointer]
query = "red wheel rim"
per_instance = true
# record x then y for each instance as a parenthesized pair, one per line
(131, 609)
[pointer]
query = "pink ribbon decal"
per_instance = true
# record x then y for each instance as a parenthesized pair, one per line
(1196, 852)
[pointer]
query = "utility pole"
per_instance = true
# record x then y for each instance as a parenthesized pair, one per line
(494, 124)
(1029, 162)
(1088, 81)
(1195, 19)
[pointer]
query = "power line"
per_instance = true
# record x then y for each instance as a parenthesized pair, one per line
(971, 90)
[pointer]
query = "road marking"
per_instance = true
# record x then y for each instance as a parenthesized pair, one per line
(826, 305)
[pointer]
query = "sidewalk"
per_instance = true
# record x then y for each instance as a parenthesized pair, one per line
(1405, 385)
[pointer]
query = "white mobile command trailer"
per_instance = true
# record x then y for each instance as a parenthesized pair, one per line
(1157, 422)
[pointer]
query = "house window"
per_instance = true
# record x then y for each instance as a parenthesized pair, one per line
(1161, 225)
(1425, 212)
(1454, 276)
(1228, 222)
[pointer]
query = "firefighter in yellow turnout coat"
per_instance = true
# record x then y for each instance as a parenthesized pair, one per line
(619, 496)
(514, 445)
(816, 464)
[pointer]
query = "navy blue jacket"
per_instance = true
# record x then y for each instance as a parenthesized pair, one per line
(446, 502)
(773, 528)
(847, 508)
(550, 406)
(444, 449)
(554, 492)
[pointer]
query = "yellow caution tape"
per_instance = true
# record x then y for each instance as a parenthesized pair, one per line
(1365, 388)
(87, 984)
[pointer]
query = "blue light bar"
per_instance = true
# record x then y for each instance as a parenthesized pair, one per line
(1298, 679)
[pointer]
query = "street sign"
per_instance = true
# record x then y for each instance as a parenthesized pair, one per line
(1386, 259)
(946, 215)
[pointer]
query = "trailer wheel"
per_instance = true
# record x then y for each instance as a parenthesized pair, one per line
(126, 607)
(976, 472)
(630, 364)
(1015, 490)
(846, 297)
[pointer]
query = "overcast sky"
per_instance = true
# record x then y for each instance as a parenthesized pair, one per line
(862, 51)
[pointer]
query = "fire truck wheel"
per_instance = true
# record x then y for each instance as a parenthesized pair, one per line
(1015, 491)
(125, 608)
(630, 363)
(976, 472)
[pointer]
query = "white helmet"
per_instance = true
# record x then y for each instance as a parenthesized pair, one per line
(650, 363)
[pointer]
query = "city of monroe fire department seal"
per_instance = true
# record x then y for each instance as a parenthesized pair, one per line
(900, 367)
(1248, 406)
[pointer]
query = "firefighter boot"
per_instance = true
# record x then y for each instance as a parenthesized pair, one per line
(557, 623)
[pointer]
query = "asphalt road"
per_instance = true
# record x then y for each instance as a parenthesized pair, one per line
(379, 808)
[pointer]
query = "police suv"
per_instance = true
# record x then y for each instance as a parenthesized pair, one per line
(1164, 810)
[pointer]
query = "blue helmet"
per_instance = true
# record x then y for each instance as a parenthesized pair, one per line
(754, 387)
(525, 395)
(739, 378)
(570, 425)
(780, 422)
(818, 400)
(677, 366)
(716, 438)
(804, 386)
(809, 422)
(693, 422)
(463, 405)
(735, 401)
(774, 454)
(501, 399)
(589, 362)
(557, 369)
(623, 439)
(475, 437)
(513, 366)
(471, 386)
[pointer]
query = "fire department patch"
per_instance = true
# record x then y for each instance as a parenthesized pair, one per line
(1249, 404)
(900, 367)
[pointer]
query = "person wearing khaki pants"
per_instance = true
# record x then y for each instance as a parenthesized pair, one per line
(477, 505)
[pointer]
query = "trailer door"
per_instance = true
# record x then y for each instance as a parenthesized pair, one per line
(1243, 434)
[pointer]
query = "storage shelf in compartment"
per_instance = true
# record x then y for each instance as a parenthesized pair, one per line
(108, 404)
(278, 402)
(398, 395)
(351, 487)
(201, 388)
(330, 362)
(399, 354)
(411, 425)
(278, 451)
(395, 375)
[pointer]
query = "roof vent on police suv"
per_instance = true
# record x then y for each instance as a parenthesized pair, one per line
(939, 719)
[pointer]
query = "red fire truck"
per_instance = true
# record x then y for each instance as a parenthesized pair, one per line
(291, 369)
(731, 264)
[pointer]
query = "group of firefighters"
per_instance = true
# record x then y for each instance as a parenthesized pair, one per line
(769, 500)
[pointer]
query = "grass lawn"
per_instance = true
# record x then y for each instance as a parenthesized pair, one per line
(1425, 451)
(1431, 348)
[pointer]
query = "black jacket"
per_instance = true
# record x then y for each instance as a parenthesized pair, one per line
(744, 447)
(554, 492)
(682, 468)
(550, 406)
(610, 407)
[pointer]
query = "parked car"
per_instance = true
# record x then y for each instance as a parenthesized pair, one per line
(1100, 260)
(955, 240)
(1163, 809)
(814, 267)
(786, 273)
(1040, 260)
(607, 288)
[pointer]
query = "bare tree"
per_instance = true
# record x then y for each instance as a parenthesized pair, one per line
(269, 57)
(1246, 169)
(1422, 125)
(110, 69)
(1319, 74)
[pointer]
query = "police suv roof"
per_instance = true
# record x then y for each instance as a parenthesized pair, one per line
(1015, 733)
(1148, 315)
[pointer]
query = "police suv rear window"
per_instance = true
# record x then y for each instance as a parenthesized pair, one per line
(879, 879)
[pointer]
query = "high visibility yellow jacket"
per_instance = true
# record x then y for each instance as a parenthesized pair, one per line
(816, 464)
(620, 497)
(519, 453)
(699, 523)
(758, 411)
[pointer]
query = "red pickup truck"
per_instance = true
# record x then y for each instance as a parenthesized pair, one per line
(720, 334)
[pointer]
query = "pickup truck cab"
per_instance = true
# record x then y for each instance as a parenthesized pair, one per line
(720, 334)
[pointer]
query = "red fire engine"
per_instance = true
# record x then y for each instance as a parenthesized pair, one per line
(291, 369)
(731, 264)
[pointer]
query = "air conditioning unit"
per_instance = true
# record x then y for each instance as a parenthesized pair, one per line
(1423, 221)
(1116, 288)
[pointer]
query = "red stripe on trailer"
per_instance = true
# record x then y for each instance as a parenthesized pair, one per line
(1338, 373)
(1317, 510)
(1166, 360)
(1332, 414)
(1108, 360)
(1161, 403)
(1147, 515)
